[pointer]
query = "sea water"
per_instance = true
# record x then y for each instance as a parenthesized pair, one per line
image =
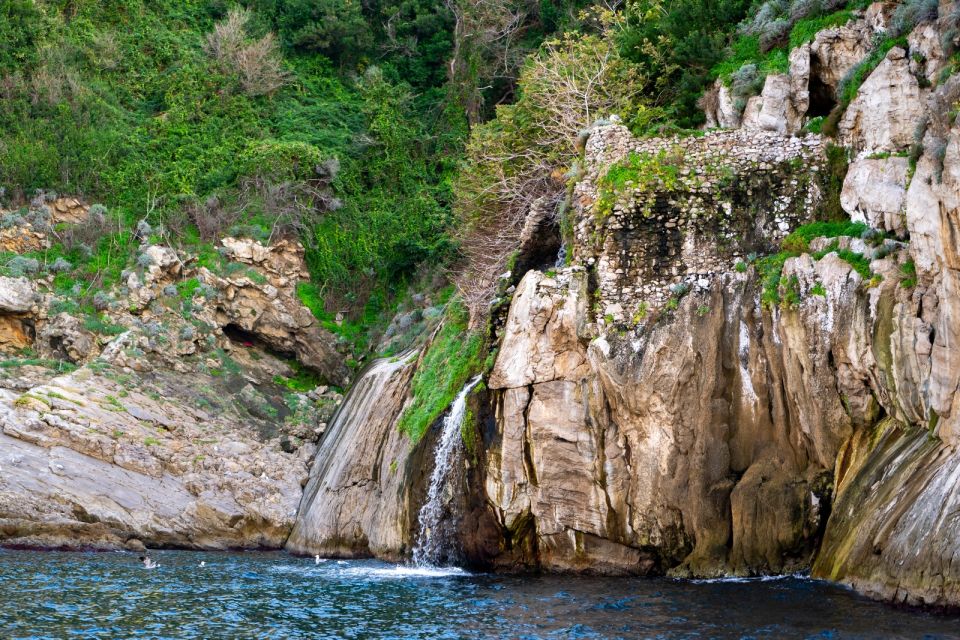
(275, 595)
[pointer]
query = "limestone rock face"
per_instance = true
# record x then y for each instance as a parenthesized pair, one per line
(86, 461)
(152, 422)
(885, 113)
(264, 303)
(64, 338)
(714, 433)
(728, 117)
(875, 192)
(778, 111)
(894, 532)
(17, 295)
(723, 111)
(927, 49)
(356, 503)
(18, 304)
(834, 52)
(626, 454)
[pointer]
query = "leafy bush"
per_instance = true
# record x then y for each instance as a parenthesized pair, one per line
(336, 28)
(278, 160)
(677, 44)
(798, 241)
(21, 29)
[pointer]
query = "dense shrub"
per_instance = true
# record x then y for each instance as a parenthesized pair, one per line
(677, 44)
(21, 28)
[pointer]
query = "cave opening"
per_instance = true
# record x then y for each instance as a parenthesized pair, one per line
(542, 250)
(822, 96)
(250, 340)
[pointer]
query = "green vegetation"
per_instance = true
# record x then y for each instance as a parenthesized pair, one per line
(301, 381)
(804, 30)
(798, 241)
(908, 271)
(779, 290)
(638, 171)
(676, 44)
(61, 366)
(850, 83)
(97, 323)
(451, 359)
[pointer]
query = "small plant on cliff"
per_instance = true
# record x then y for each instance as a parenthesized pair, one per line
(770, 267)
(908, 271)
(643, 172)
(790, 291)
(798, 241)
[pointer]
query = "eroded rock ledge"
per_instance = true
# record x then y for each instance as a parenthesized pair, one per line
(164, 420)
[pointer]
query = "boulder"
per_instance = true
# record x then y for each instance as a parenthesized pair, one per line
(65, 338)
(17, 295)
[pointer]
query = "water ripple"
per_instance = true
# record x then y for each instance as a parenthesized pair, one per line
(273, 595)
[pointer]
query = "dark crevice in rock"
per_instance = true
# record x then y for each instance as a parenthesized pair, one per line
(247, 339)
(823, 98)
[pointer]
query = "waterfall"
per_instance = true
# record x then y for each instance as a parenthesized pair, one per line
(429, 545)
(561, 257)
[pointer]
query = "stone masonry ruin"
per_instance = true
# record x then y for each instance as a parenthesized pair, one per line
(655, 213)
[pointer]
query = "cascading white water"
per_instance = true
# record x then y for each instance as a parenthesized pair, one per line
(428, 549)
(561, 257)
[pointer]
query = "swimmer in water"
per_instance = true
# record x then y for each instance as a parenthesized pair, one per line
(148, 563)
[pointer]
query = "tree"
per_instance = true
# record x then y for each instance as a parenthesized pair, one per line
(521, 156)
(255, 62)
(335, 28)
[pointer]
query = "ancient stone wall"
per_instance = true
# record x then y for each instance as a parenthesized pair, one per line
(658, 212)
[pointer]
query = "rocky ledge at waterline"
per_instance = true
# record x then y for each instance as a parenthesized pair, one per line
(686, 397)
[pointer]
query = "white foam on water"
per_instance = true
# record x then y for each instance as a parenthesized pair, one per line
(364, 571)
(401, 572)
(745, 580)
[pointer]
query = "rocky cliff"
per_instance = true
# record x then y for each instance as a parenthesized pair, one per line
(675, 401)
(747, 362)
(165, 417)
(744, 362)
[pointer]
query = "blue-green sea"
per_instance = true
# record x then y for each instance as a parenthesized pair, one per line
(274, 595)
